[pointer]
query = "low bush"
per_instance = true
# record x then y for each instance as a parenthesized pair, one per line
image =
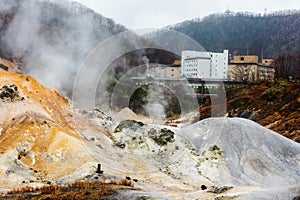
(276, 90)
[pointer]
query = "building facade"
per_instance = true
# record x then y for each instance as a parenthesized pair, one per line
(166, 71)
(196, 64)
(173, 70)
(247, 68)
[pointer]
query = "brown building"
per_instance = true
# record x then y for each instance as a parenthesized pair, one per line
(167, 71)
(247, 68)
(245, 59)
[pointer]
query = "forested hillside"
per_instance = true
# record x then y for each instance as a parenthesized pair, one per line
(270, 34)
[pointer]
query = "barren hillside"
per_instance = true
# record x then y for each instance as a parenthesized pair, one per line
(44, 142)
(40, 144)
(274, 104)
(38, 139)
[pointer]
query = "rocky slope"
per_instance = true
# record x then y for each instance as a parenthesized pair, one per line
(38, 139)
(235, 151)
(40, 144)
(44, 141)
(240, 152)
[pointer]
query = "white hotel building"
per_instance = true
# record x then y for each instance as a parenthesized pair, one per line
(197, 64)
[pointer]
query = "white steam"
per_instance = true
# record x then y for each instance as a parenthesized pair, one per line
(146, 61)
(53, 37)
(156, 103)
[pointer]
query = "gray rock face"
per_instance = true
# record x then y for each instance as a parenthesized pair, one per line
(245, 153)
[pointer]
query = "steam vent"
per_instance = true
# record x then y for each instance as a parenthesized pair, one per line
(206, 109)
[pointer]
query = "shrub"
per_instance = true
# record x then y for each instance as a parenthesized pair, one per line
(170, 114)
(276, 90)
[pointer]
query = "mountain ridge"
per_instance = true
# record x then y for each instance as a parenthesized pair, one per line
(266, 35)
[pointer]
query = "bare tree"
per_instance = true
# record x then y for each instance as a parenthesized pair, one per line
(287, 67)
(243, 73)
(297, 70)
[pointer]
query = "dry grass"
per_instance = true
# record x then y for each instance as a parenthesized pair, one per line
(22, 190)
(78, 190)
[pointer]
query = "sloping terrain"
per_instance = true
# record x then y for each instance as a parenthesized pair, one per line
(250, 153)
(236, 151)
(37, 139)
(274, 104)
(43, 141)
(40, 144)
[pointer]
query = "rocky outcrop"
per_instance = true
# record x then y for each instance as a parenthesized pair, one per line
(236, 151)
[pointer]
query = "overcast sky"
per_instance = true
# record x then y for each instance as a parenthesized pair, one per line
(137, 14)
